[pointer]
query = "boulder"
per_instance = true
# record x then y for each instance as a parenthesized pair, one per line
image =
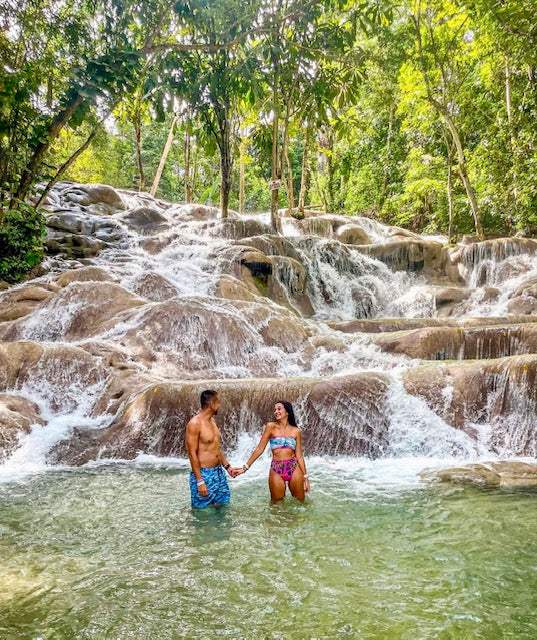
(352, 234)
(498, 395)
(501, 473)
(84, 274)
(235, 228)
(339, 416)
(152, 286)
(458, 343)
(73, 246)
(145, 220)
(410, 255)
(232, 288)
(15, 360)
(79, 310)
(17, 416)
(94, 194)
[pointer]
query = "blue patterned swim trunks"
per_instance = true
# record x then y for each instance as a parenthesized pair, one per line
(216, 481)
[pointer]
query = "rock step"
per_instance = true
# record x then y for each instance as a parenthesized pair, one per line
(501, 473)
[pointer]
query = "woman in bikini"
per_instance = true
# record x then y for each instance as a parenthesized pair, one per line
(287, 466)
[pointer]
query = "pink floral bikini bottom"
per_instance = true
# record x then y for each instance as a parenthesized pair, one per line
(284, 468)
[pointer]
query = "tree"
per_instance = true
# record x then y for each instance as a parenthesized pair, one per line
(441, 34)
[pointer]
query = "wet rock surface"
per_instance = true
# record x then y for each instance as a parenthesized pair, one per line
(375, 333)
(502, 473)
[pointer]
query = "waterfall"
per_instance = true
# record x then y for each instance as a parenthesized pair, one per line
(114, 347)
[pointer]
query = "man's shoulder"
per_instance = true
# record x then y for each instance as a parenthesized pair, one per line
(194, 423)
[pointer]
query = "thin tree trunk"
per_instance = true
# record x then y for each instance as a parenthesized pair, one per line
(35, 162)
(512, 135)
(289, 168)
(138, 142)
(275, 169)
(68, 163)
(226, 165)
(330, 173)
(450, 188)
(444, 113)
(304, 176)
(164, 156)
(188, 151)
(384, 189)
(194, 177)
(242, 179)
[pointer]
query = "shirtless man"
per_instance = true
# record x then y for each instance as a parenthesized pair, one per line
(208, 483)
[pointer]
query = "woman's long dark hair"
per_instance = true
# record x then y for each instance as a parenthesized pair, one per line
(290, 413)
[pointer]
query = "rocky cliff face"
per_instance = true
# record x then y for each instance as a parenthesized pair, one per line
(142, 304)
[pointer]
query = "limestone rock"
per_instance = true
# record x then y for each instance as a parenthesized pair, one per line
(451, 343)
(502, 473)
(79, 310)
(152, 286)
(17, 415)
(91, 194)
(498, 393)
(410, 255)
(342, 415)
(352, 234)
(232, 288)
(84, 274)
(145, 220)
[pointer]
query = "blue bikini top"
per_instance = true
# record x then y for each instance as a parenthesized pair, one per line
(282, 442)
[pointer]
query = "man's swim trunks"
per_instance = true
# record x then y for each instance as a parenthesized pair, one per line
(216, 481)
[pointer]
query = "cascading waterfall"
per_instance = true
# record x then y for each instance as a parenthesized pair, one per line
(152, 308)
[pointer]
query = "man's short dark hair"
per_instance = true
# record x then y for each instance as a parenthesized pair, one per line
(207, 397)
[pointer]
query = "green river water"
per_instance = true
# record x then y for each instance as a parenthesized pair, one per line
(115, 553)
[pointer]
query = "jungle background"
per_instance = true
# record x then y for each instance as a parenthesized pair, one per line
(418, 113)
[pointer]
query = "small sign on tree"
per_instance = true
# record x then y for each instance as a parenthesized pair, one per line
(273, 185)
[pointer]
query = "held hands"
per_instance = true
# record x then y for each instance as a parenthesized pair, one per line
(235, 471)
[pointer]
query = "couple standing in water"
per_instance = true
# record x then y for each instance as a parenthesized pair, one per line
(208, 482)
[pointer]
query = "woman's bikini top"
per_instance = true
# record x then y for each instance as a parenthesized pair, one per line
(282, 442)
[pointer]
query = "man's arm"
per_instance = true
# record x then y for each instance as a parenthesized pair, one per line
(192, 444)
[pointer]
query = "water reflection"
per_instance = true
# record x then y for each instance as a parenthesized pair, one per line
(209, 525)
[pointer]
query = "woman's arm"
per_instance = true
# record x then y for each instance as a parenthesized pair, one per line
(260, 447)
(301, 461)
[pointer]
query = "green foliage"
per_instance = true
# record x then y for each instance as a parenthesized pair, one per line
(21, 234)
(381, 102)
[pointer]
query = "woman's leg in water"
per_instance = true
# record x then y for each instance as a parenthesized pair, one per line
(276, 486)
(296, 484)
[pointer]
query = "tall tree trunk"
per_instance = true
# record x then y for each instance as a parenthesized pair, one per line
(226, 164)
(444, 113)
(513, 139)
(68, 163)
(387, 163)
(330, 170)
(164, 156)
(138, 143)
(288, 166)
(304, 176)
(188, 151)
(449, 187)
(242, 171)
(275, 169)
(34, 163)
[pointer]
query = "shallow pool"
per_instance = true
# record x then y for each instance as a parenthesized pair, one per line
(115, 552)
